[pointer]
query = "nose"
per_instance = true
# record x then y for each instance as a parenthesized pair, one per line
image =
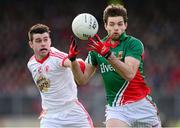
(43, 43)
(116, 27)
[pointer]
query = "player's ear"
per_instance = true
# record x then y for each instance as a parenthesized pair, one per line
(30, 44)
(105, 26)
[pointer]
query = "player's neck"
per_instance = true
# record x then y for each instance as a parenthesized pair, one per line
(41, 58)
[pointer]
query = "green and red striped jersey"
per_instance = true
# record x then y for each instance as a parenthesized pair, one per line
(118, 90)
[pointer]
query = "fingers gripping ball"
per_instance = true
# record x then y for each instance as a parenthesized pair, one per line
(84, 26)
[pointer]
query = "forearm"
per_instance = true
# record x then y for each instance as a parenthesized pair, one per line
(121, 68)
(77, 72)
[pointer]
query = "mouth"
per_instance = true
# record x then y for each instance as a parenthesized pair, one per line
(115, 36)
(43, 49)
(115, 33)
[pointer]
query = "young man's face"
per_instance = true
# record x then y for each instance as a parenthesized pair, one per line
(115, 26)
(41, 44)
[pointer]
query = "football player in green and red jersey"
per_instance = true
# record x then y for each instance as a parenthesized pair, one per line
(119, 57)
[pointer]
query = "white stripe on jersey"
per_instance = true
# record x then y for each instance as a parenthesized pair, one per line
(55, 82)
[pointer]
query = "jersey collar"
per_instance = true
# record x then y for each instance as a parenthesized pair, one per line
(123, 36)
(43, 59)
(115, 44)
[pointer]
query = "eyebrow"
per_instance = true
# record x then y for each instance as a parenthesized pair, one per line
(45, 37)
(37, 38)
(114, 22)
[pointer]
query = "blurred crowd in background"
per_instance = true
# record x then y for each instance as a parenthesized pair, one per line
(155, 23)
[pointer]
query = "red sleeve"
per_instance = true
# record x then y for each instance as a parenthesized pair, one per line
(82, 66)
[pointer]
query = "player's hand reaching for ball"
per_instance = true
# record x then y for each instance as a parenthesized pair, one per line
(73, 52)
(103, 48)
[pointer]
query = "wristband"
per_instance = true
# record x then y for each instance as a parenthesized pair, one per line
(72, 59)
(107, 54)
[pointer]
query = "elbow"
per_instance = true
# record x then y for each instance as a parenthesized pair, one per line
(81, 82)
(130, 77)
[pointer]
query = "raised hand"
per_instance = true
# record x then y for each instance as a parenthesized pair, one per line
(73, 52)
(103, 48)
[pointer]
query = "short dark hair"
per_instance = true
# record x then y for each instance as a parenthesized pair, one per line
(115, 10)
(37, 28)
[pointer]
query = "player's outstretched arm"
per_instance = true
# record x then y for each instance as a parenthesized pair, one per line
(82, 72)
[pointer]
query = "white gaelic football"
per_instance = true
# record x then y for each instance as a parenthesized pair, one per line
(84, 26)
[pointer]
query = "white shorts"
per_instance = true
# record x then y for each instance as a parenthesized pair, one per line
(142, 113)
(75, 116)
